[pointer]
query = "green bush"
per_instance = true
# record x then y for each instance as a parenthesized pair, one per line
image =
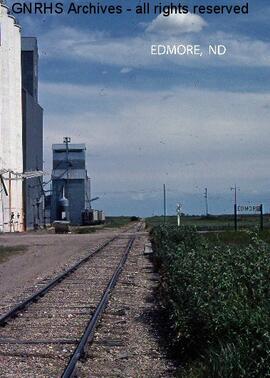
(84, 230)
(217, 301)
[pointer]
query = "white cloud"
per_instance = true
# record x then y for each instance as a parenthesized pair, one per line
(176, 24)
(143, 138)
(137, 138)
(125, 70)
(134, 52)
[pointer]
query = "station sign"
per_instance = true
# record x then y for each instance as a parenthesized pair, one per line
(249, 208)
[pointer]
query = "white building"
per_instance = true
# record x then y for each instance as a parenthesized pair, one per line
(11, 149)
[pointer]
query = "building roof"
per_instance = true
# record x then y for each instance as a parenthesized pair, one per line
(71, 146)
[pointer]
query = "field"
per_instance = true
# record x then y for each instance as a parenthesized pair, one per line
(214, 295)
(111, 222)
(218, 222)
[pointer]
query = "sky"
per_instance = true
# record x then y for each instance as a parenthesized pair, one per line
(189, 122)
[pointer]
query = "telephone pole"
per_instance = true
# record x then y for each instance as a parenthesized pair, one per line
(235, 189)
(206, 201)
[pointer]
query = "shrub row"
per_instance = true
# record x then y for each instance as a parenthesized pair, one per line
(217, 301)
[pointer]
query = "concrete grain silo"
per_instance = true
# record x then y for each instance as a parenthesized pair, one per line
(11, 149)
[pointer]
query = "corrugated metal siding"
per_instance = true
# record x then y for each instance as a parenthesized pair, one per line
(33, 157)
(72, 171)
(74, 174)
(11, 151)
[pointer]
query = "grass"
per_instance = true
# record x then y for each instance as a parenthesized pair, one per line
(113, 222)
(212, 222)
(241, 238)
(223, 227)
(7, 252)
(84, 230)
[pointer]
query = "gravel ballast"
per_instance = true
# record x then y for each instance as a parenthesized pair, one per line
(40, 341)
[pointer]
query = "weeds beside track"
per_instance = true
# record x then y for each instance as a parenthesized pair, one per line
(216, 302)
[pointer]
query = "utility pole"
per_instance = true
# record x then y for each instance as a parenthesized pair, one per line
(235, 189)
(164, 203)
(206, 201)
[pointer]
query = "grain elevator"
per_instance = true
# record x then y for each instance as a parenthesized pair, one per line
(11, 149)
(21, 129)
(70, 182)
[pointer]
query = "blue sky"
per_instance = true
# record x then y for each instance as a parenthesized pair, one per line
(188, 122)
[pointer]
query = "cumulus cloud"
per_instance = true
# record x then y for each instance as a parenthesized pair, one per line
(134, 52)
(203, 145)
(137, 139)
(176, 24)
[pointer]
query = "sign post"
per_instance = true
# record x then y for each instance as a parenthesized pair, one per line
(251, 209)
(178, 213)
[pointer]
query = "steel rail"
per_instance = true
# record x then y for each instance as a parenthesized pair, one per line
(88, 334)
(40, 293)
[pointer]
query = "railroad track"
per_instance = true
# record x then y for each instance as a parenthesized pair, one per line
(48, 333)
